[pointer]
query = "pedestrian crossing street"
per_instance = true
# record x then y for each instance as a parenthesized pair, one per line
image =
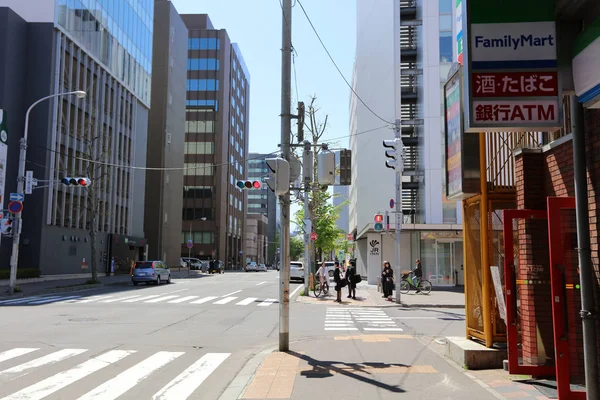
(359, 318)
(129, 298)
(35, 374)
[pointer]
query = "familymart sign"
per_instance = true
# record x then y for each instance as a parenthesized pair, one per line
(512, 72)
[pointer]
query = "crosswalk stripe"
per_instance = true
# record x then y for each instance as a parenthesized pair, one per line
(341, 329)
(261, 283)
(384, 329)
(7, 355)
(225, 300)
(181, 300)
(52, 358)
(115, 387)
(21, 300)
(94, 298)
(204, 300)
(189, 380)
(247, 301)
(54, 383)
(267, 302)
(161, 299)
(121, 299)
(56, 299)
(229, 294)
(142, 298)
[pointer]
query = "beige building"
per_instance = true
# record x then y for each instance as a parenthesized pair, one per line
(256, 238)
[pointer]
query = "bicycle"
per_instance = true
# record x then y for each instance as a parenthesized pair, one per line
(407, 282)
(318, 290)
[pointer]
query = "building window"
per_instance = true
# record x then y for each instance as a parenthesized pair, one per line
(195, 85)
(446, 22)
(191, 214)
(200, 127)
(446, 6)
(198, 169)
(198, 237)
(203, 64)
(199, 148)
(202, 105)
(198, 192)
(204, 44)
(446, 47)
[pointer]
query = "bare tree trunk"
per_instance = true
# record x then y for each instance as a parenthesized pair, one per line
(93, 204)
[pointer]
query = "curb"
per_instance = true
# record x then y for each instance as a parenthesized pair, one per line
(394, 305)
(240, 382)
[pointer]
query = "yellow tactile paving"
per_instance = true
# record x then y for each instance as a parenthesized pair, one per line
(275, 378)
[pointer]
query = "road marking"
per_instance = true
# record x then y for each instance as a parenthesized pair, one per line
(177, 291)
(161, 299)
(229, 294)
(225, 300)
(142, 298)
(182, 299)
(90, 299)
(267, 302)
(126, 380)
(384, 329)
(7, 355)
(204, 300)
(247, 301)
(261, 283)
(55, 383)
(21, 300)
(56, 299)
(341, 329)
(295, 291)
(53, 358)
(327, 325)
(189, 380)
(121, 298)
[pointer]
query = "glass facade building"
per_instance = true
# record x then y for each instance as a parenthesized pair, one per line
(116, 32)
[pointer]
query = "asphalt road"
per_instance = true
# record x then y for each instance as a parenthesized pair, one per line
(187, 339)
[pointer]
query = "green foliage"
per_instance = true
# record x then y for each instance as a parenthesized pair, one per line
(22, 273)
(296, 248)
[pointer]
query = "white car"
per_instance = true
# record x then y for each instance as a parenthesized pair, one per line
(296, 270)
(262, 267)
(251, 266)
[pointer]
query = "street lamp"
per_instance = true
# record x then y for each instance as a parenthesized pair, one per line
(14, 260)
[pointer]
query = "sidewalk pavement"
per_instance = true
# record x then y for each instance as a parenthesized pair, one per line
(369, 296)
(372, 367)
(74, 283)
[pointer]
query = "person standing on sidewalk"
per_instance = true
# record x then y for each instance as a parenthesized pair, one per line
(350, 276)
(387, 280)
(338, 282)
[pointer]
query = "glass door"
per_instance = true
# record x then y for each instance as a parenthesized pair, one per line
(449, 263)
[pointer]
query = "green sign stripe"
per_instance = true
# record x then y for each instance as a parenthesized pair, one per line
(495, 11)
(589, 35)
(458, 3)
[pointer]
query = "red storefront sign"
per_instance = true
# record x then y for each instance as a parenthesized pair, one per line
(521, 112)
(514, 84)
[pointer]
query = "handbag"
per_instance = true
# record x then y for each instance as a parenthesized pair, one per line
(357, 278)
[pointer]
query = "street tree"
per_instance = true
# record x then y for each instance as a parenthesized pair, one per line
(296, 248)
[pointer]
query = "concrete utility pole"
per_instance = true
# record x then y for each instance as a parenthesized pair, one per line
(307, 172)
(14, 259)
(399, 214)
(286, 99)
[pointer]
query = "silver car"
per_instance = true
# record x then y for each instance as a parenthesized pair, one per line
(150, 271)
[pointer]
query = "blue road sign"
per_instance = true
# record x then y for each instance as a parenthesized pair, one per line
(15, 207)
(17, 197)
(190, 244)
(392, 203)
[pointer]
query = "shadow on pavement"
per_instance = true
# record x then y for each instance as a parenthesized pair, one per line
(324, 369)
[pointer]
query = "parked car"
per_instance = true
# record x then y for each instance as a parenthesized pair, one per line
(296, 270)
(193, 263)
(330, 265)
(182, 263)
(262, 267)
(251, 266)
(150, 271)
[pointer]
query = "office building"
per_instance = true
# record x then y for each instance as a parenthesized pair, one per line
(216, 144)
(56, 47)
(166, 135)
(256, 238)
(263, 201)
(421, 51)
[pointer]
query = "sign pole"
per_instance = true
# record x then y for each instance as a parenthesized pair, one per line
(399, 215)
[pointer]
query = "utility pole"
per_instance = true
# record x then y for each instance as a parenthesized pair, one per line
(399, 214)
(307, 172)
(286, 99)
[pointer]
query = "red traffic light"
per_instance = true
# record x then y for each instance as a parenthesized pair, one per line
(378, 218)
(256, 184)
(82, 182)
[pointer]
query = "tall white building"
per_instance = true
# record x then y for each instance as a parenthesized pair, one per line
(404, 51)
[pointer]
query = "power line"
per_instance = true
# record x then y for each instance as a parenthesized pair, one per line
(336, 66)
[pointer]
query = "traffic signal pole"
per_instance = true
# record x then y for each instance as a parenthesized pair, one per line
(399, 215)
(286, 91)
(307, 168)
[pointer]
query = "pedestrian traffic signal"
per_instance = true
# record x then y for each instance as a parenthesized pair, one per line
(396, 155)
(378, 218)
(279, 177)
(76, 181)
(249, 185)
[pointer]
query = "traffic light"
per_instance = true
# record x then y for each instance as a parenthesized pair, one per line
(396, 155)
(279, 178)
(76, 181)
(378, 218)
(248, 185)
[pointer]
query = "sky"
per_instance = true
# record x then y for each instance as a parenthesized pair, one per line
(256, 27)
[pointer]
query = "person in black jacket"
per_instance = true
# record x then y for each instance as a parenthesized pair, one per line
(351, 277)
(387, 280)
(338, 282)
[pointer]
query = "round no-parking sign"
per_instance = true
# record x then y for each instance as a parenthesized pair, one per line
(15, 207)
